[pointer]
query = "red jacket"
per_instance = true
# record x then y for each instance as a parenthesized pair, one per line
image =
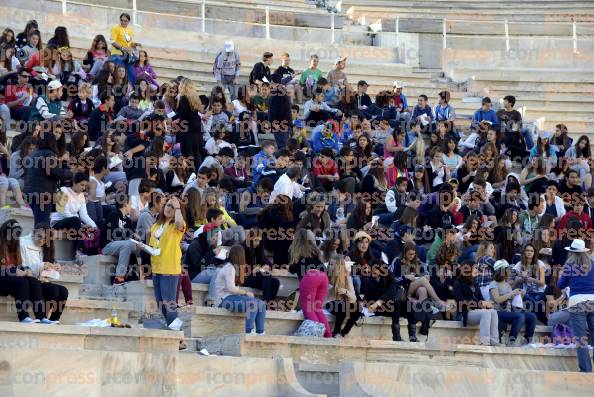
(583, 218)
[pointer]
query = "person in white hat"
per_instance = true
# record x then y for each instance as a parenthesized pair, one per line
(337, 77)
(509, 305)
(49, 106)
(226, 68)
(577, 274)
(400, 101)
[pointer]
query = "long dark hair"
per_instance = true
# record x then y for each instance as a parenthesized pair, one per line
(585, 152)
(539, 148)
(47, 141)
(4, 43)
(10, 233)
(358, 215)
(98, 39)
(61, 37)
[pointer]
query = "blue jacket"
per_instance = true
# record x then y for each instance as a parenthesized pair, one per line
(376, 112)
(578, 283)
(331, 96)
(481, 115)
(261, 160)
(320, 141)
(417, 111)
(404, 101)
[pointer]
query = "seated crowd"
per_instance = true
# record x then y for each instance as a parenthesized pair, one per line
(379, 208)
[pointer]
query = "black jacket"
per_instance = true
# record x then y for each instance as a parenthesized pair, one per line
(279, 113)
(117, 228)
(99, 120)
(77, 111)
(199, 256)
(190, 125)
(42, 173)
(467, 298)
(259, 71)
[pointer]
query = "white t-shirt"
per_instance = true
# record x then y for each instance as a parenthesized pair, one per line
(76, 206)
(238, 108)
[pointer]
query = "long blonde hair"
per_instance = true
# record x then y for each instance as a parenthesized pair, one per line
(186, 88)
(303, 246)
(580, 260)
(482, 249)
(339, 275)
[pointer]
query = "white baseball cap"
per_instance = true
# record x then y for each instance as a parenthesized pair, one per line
(340, 59)
(398, 84)
(500, 264)
(54, 85)
(229, 46)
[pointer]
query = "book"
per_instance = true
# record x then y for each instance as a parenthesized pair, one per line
(147, 248)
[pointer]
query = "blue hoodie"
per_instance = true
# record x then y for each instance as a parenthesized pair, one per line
(320, 141)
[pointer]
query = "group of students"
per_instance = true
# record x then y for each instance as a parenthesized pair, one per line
(382, 209)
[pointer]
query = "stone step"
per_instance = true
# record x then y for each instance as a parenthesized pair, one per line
(325, 354)
(60, 372)
(365, 379)
(73, 337)
(80, 310)
(207, 322)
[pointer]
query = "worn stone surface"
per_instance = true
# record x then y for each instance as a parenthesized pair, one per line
(373, 379)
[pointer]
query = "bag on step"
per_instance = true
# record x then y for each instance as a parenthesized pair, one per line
(311, 328)
(562, 334)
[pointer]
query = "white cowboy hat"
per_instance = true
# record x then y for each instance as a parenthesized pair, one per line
(577, 246)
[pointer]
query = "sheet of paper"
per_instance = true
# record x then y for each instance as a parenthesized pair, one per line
(367, 313)
(223, 253)
(485, 292)
(517, 301)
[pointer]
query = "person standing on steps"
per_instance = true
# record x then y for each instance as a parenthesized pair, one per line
(227, 66)
(578, 275)
(165, 236)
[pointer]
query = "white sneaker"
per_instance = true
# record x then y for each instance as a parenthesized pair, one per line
(176, 325)
(48, 321)
(204, 352)
(28, 320)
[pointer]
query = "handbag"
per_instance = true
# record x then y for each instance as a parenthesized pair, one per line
(562, 334)
(311, 328)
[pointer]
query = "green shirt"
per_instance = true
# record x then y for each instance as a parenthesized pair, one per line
(315, 75)
(527, 223)
(260, 103)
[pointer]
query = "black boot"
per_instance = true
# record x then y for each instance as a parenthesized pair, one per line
(412, 332)
(396, 332)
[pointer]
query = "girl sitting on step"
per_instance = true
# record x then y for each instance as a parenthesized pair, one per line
(229, 296)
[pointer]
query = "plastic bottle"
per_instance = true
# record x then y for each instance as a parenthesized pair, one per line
(114, 320)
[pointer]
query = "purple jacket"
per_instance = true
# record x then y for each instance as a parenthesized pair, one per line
(146, 72)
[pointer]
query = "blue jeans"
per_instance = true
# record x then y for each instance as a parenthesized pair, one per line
(119, 60)
(536, 304)
(517, 319)
(528, 137)
(582, 322)
(165, 286)
(468, 253)
(255, 309)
